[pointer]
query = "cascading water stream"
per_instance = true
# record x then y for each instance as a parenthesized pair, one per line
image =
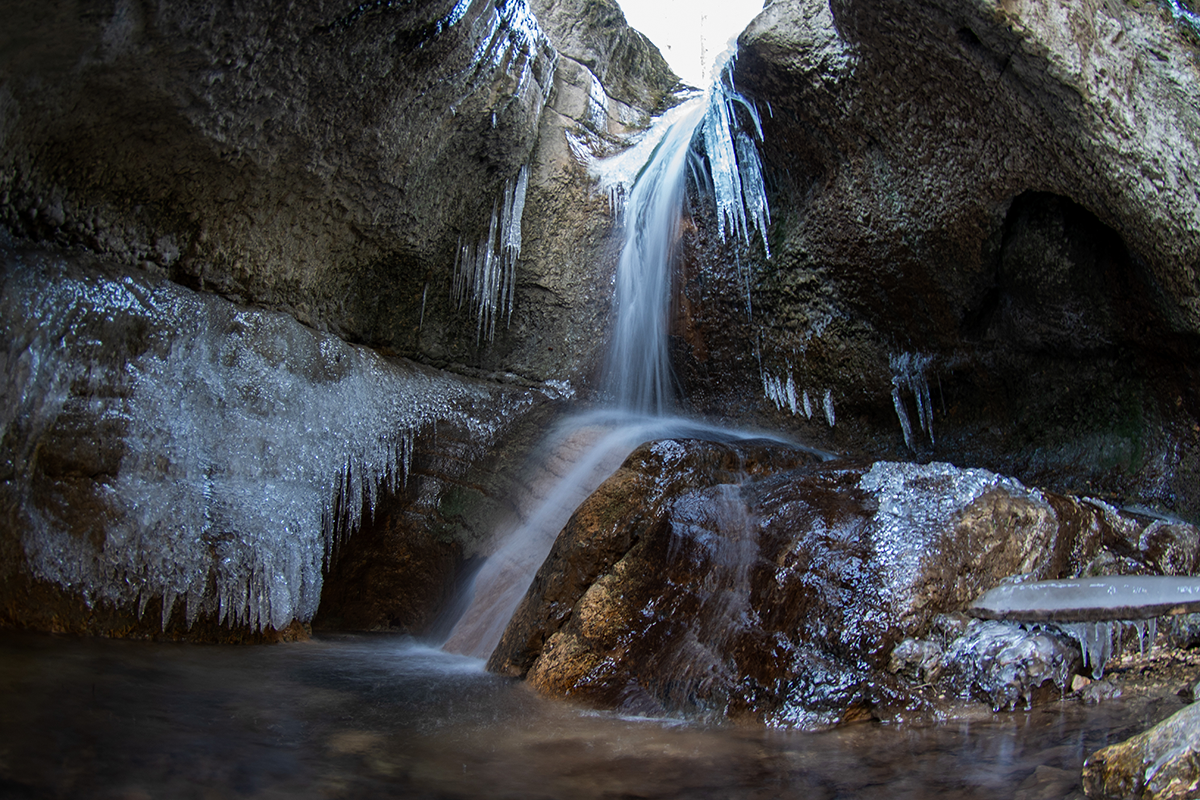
(637, 379)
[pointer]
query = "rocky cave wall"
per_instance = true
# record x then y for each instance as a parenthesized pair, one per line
(987, 209)
(984, 222)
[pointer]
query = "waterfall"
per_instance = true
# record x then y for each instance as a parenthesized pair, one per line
(637, 381)
(638, 374)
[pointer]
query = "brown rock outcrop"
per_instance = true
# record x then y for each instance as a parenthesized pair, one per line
(775, 592)
(1162, 763)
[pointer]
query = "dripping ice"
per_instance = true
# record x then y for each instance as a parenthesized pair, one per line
(909, 374)
(485, 271)
(250, 443)
(511, 40)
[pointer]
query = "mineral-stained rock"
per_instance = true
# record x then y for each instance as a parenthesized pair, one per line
(1162, 763)
(776, 592)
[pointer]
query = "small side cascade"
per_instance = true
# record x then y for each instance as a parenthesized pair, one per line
(485, 272)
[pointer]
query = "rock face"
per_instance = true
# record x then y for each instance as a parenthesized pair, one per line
(329, 161)
(983, 245)
(721, 580)
(1163, 763)
(181, 464)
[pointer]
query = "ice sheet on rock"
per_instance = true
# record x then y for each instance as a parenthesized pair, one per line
(916, 503)
(1104, 598)
(1007, 663)
(249, 440)
(597, 107)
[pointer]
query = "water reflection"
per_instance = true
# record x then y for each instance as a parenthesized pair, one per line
(359, 716)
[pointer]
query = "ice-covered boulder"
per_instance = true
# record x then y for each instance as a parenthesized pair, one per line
(171, 454)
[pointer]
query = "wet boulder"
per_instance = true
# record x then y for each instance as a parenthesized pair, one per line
(777, 593)
(1162, 763)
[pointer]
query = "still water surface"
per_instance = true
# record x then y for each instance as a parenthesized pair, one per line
(378, 716)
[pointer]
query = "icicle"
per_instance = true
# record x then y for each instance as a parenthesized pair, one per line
(1095, 641)
(902, 414)
(808, 411)
(830, 417)
(168, 604)
(424, 296)
(909, 373)
(486, 272)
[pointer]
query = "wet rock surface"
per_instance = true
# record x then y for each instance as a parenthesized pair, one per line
(1161, 763)
(779, 592)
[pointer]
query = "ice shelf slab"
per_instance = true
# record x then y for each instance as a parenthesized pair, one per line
(1121, 597)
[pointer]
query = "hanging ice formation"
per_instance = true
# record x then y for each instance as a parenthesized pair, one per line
(510, 40)
(734, 163)
(246, 442)
(782, 392)
(909, 374)
(485, 272)
(1091, 610)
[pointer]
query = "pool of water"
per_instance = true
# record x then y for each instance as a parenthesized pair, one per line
(379, 716)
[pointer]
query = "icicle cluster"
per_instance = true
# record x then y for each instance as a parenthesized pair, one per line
(485, 272)
(1096, 639)
(249, 443)
(511, 39)
(736, 170)
(909, 374)
(784, 394)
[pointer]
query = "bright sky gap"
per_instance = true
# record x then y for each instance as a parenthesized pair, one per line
(691, 34)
